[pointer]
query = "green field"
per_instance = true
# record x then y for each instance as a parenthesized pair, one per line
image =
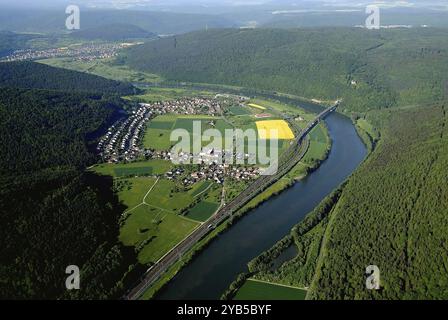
(239, 111)
(131, 191)
(154, 232)
(202, 211)
(367, 127)
(318, 145)
(150, 167)
(157, 135)
(201, 187)
(104, 68)
(256, 290)
(152, 223)
(166, 94)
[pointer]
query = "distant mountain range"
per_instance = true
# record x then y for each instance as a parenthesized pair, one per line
(113, 32)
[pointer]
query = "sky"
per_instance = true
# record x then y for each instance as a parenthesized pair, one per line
(148, 4)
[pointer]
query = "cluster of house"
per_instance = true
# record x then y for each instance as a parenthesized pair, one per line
(87, 52)
(187, 106)
(121, 142)
(214, 172)
(209, 155)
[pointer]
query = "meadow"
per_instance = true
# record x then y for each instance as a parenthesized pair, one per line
(153, 232)
(319, 145)
(153, 223)
(149, 167)
(155, 94)
(104, 68)
(157, 135)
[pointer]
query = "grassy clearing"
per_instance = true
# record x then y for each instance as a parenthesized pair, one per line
(154, 232)
(131, 191)
(201, 187)
(367, 127)
(202, 211)
(256, 290)
(104, 68)
(319, 143)
(158, 132)
(167, 94)
(168, 196)
(150, 167)
(239, 111)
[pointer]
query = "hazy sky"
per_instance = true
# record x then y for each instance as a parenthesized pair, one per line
(211, 3)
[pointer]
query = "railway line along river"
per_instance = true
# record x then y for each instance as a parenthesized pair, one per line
(212, 270)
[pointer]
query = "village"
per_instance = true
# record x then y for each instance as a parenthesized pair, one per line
(85, 52)
(123, 143)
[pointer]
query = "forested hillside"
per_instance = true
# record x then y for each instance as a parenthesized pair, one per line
(368, 69)
(393, 214)
(52, 20)
(32, 75)
(10, 41)
(114, 32)
(53, 213)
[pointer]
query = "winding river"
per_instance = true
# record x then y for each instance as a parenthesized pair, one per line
(211, 271)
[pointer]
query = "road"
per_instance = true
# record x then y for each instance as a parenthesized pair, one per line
(286, 162)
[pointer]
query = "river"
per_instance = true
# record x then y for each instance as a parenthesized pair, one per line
(211, 271)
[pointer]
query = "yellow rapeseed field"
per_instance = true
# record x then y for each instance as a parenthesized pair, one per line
(283, 132)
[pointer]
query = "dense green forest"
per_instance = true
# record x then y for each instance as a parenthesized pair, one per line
(114, 32)
(54, 213)
(392, 214)
(32, 75)
(368, 69)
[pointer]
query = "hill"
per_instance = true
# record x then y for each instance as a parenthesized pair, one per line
(368, 69)
(50, 21)
(392, 214)
(53, 213)
(113, 32)
(10, 41)
(32, 75)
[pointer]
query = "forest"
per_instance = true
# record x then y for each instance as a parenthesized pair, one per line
(367, 69)
(54, 213)
(392, 213)
(113, 32)
(33, 75)
(10, 41)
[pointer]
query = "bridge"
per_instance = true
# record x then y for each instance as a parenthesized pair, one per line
(287, 161)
